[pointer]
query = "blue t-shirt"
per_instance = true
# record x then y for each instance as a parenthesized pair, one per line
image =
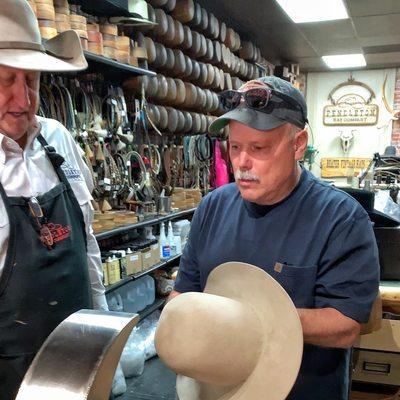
(325, 244)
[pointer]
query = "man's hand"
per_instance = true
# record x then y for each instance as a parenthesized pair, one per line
(328, 327)
(173, 294)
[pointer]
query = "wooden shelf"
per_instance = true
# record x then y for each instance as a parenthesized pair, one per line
(147, 222)
(130, 278)
(107, 8)
(108, 66)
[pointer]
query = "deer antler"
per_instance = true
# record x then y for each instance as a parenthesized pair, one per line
(393, 113)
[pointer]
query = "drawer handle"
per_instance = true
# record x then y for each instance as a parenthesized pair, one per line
(377, 368)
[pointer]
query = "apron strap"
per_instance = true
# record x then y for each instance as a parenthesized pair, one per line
(4, 196)
(56, 160)
(12, 243)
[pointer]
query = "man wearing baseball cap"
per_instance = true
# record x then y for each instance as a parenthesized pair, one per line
(314, 239)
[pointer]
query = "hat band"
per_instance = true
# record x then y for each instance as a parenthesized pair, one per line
(22, 46)
(31, 46)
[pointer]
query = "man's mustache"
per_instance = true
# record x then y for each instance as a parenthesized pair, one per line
(246, 175)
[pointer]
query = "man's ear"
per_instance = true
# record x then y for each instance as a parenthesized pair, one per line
(301, 140)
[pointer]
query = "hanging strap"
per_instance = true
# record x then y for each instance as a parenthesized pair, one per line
(56, 160)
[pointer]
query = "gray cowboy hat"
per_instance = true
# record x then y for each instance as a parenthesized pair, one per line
(21, 46)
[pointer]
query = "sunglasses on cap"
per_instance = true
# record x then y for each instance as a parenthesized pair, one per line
(261, 99)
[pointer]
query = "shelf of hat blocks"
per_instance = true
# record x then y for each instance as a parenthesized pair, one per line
(124, 281)
(191, 70)
(186, 26)
(143, 223)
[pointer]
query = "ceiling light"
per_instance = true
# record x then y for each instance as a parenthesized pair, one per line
(314, 10)
(345, 61)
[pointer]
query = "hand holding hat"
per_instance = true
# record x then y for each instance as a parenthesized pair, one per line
(240, 339)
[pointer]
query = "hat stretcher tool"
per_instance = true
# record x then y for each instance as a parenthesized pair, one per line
(79, 358)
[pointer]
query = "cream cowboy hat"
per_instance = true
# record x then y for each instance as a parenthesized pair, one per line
(21, 47)
(140, 15)
(239, 340)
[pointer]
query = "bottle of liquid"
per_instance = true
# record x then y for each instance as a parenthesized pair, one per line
(178, 244)
(165, 250)
(171, 239)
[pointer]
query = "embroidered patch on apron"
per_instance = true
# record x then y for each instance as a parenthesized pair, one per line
(71, 173)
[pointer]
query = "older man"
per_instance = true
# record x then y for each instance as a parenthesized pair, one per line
(50, 263)
(315, 240)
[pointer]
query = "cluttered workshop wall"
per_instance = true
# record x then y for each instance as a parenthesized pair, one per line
(350, 119)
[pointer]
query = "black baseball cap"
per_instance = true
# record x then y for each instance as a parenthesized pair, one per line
(277, 116)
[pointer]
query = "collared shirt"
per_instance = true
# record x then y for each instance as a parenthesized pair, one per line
(29, 172)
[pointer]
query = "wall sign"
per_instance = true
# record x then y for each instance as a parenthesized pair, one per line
(342, 167)
(351, 109)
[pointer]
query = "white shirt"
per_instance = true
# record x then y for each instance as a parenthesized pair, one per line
(30, 173)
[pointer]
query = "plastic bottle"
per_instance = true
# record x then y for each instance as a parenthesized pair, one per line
(171, 239)
(178, 244)
(165, 250)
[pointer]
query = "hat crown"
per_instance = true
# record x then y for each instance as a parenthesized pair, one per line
(223, 335)
(18, 22)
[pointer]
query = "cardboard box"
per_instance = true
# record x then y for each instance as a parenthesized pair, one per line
(146, 258)
(155, 253)
(134, 263)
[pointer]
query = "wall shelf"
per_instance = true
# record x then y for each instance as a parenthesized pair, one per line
(147, 222)
(107, 66)
(159, 302)
(107, 8)
(130, 278)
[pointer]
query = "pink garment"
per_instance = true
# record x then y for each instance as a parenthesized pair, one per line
(221, 168)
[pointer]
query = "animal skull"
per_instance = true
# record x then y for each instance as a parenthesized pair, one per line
(346, 140)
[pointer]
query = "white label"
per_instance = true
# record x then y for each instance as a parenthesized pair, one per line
(107, 181)
(135, 258)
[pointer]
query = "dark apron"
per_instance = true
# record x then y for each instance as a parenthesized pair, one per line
(40, 287)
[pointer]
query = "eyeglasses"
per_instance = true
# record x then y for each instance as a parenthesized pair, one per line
(36, 211)
(260, 99)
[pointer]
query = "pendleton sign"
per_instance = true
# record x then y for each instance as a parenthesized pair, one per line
(351, 109)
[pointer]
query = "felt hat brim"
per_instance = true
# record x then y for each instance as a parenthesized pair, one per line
(279, 362)
(60, 54)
